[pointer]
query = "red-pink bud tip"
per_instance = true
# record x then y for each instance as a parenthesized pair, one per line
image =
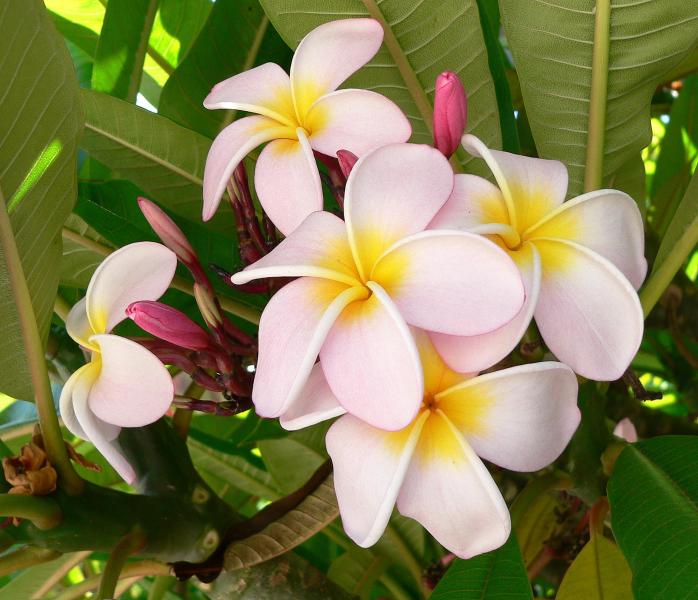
(347, 160)
(168, 324)
(168, 231)
(450, 113)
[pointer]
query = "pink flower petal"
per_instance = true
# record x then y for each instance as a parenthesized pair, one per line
(287, 182)
(588, 313)
(265, 90)
(314, 403)
(227, 151)
(626, 430)
(371, 363)
(293, 327)
(520, 418)
(451, 493)
(607, 222)
(391, 193)
(369, 466)
(328, 55)
(317, 248)
(139, 271)
(473, 202)
(451, 282)
(133, 388)
(102, 435)
(469, 354)
(356, 120)
(532, 186)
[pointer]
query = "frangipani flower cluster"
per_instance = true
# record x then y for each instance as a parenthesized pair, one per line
(123, 385)
(298, 115)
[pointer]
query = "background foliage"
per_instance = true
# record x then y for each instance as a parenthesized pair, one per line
(79, 142)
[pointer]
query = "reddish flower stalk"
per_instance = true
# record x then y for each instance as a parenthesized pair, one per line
(336, 180)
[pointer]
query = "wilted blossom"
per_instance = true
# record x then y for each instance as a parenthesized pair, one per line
(520, 419)
(361, 282)
(581, 262)
(298, 115)
(123, 385)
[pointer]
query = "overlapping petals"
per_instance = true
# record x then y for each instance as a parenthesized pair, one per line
(301, 113)
(124, 385)
(363, 281)
(520, 418)
(581, 261)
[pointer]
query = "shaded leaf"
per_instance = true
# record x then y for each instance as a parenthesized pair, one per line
(598, 573)
(429, 37)
(357, 570)
(37, 167)
(496, 574)
(653, 493)
(552, 44)
(78, 262)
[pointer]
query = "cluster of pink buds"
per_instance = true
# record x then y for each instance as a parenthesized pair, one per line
(215, 358)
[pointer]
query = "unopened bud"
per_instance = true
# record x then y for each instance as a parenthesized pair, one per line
(168, 324)
(168, 231)
(207, 306)
(347, 160)
(450, 113)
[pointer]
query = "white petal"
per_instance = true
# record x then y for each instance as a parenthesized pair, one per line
(369, 467)
(78, 324)
(140, 271)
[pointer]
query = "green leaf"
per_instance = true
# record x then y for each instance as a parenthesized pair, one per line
(357, 570)
(678, 243)
(79, 21)
(79, 262)
(29, 583)
(422, 40)
(236, 37)
(312, 514)
(40, 119)
(653, 493)
(490, 576)
(122, 46)
(552, 45)
(289, 462)
(163, 159)
(598, 573)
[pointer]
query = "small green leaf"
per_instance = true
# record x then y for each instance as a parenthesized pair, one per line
(653, 493)
(598, 573)
(491, 576)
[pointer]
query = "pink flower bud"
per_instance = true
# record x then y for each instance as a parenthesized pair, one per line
(168, 324)
(168, 231)
(347, 160)
(450, 113)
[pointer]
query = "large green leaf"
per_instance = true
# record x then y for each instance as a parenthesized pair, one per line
(357, 570)
(162, 158)
(78, 261)
(491, 576)
(653, 493)
(598, 573)
(422, 40)
(552, 45)
(40, 119)
(122, 46)
(235, 38)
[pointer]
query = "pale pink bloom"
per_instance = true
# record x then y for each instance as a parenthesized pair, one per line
(299, 114)
(362, 281)
(123, 385)
(626, 430)
(450, 113)
(581, 262)
(520, 419)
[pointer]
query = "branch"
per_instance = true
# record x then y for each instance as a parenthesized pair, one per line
(40, 510)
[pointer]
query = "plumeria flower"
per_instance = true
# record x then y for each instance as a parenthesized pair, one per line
(625, 429)
(299, 114)
(123, 385)
(520, 419)
(581, 262)
(362, 281)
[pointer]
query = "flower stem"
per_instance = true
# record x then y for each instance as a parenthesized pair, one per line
(25, 557)
(68, 479)
(43, 512)
(593, 174)
(128, 545)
